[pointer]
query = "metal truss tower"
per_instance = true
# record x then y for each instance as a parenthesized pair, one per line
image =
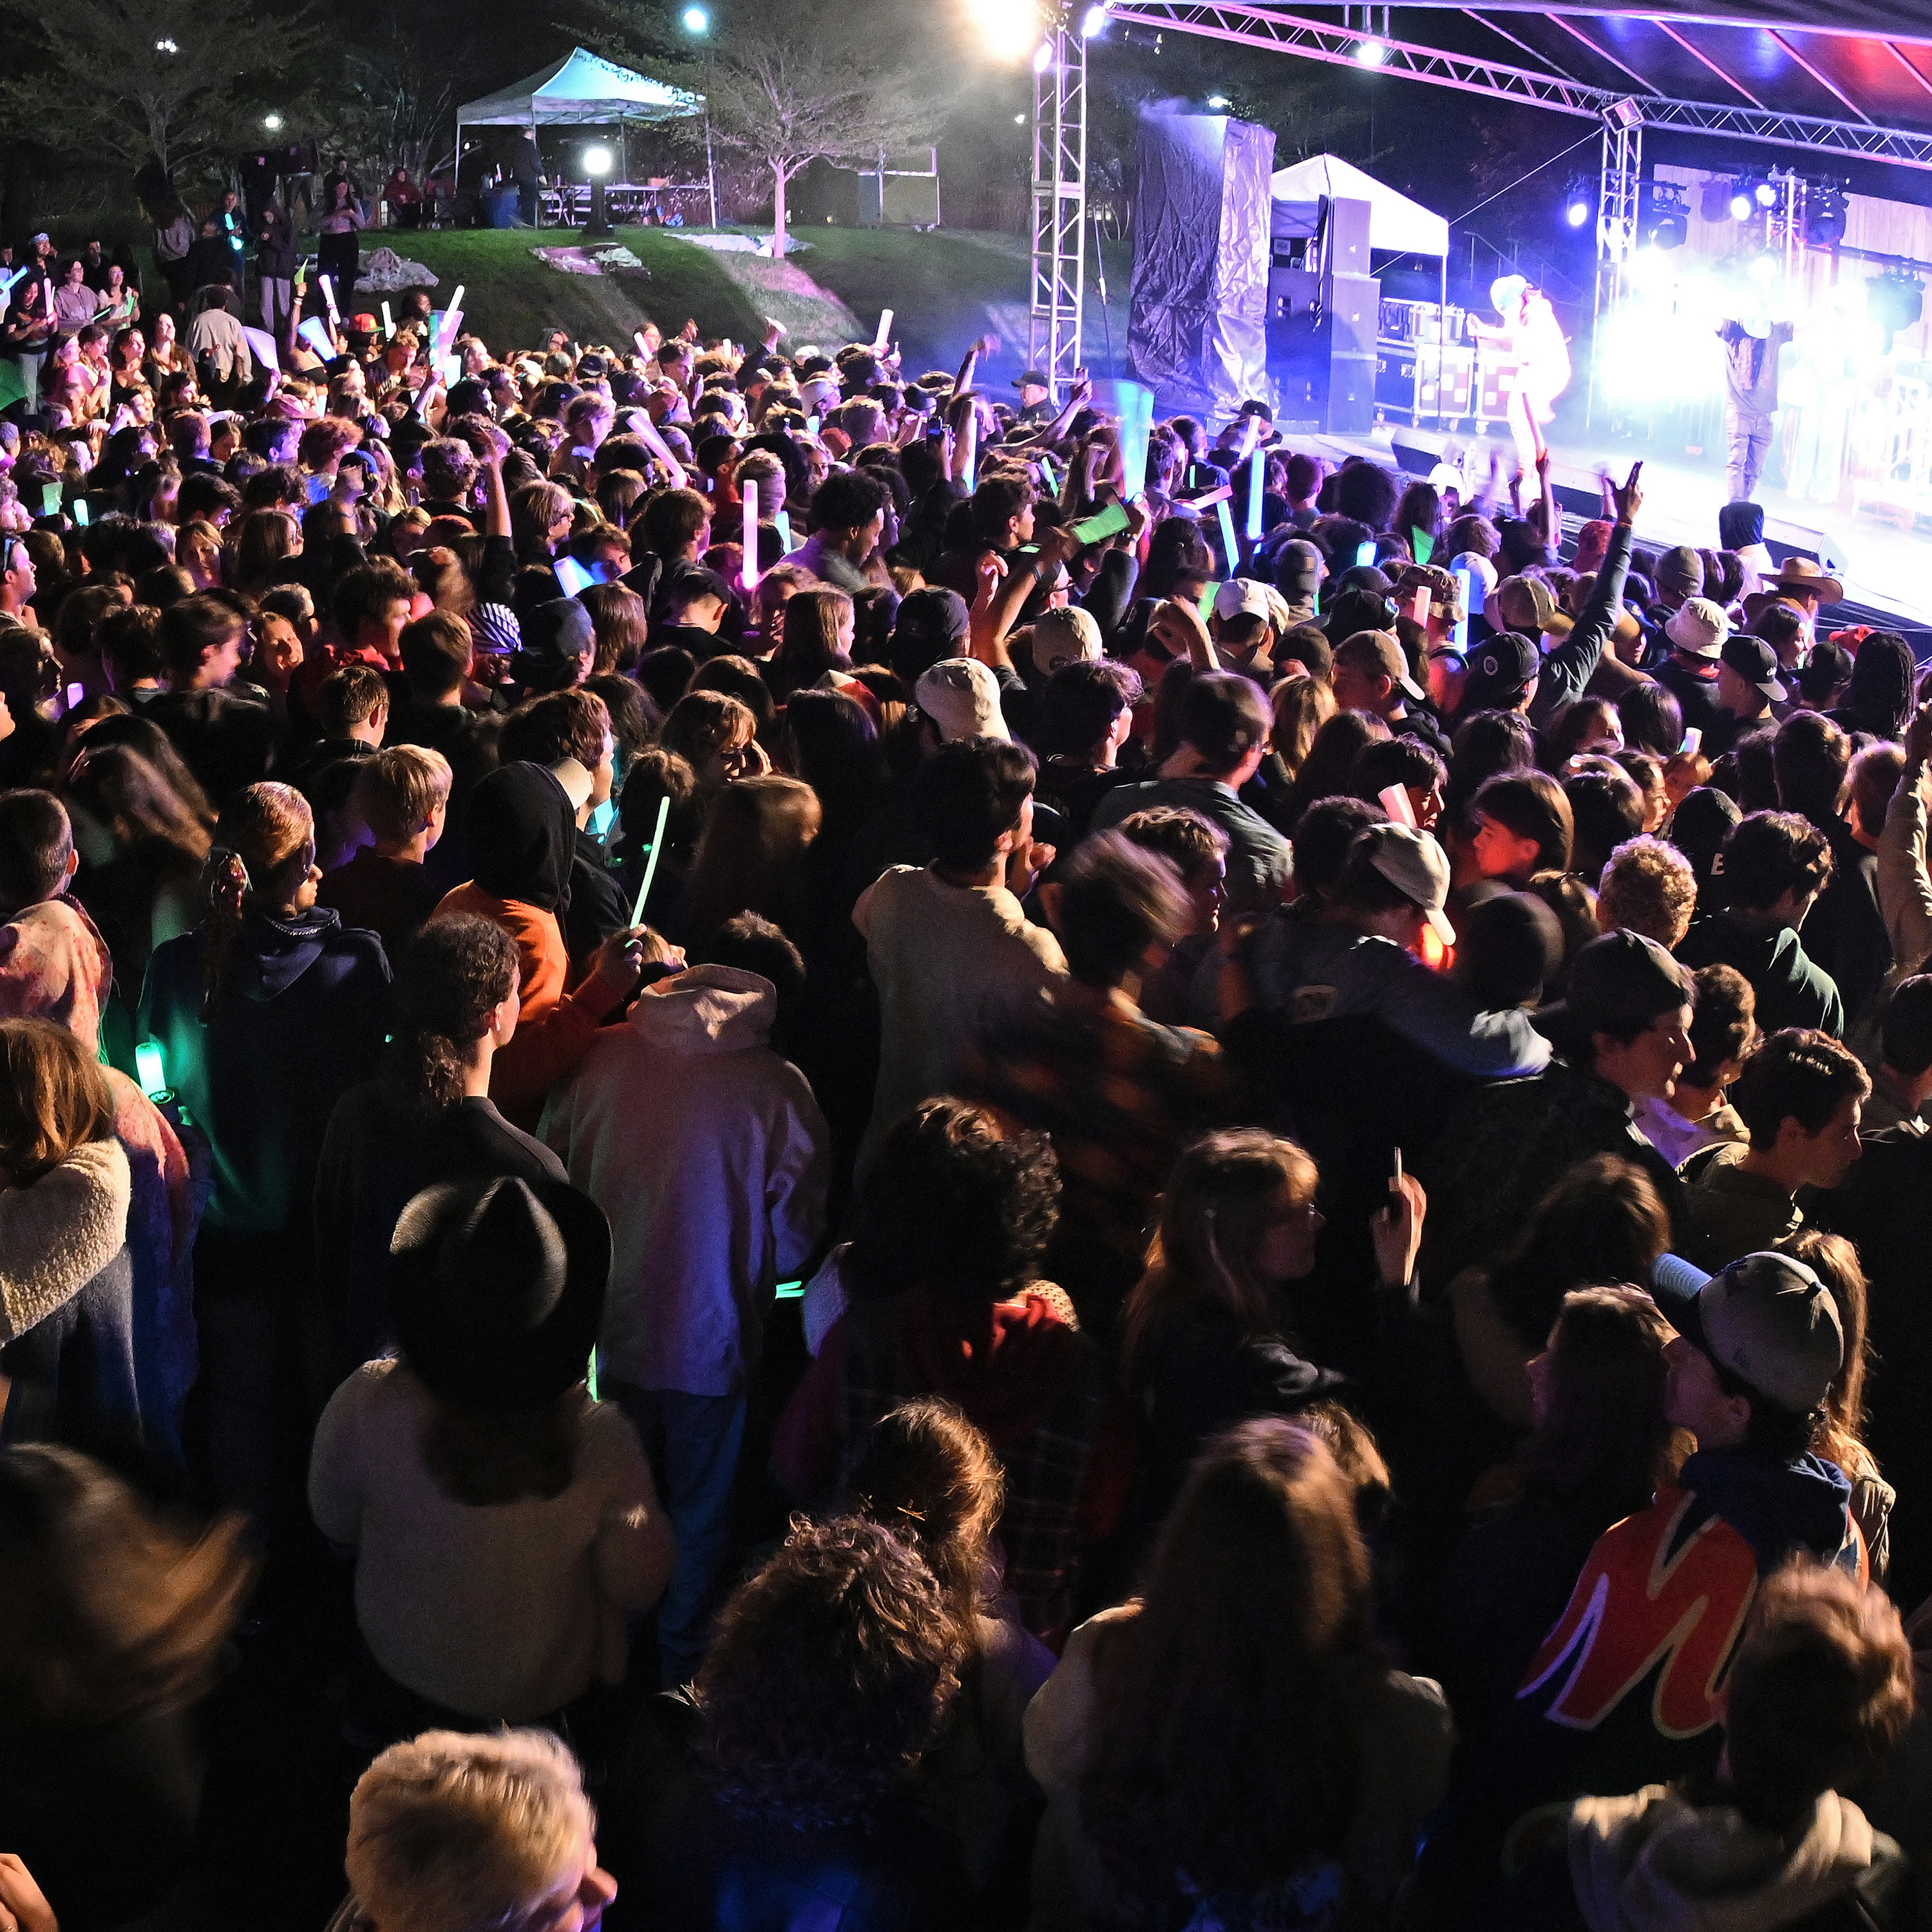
(1059, 198)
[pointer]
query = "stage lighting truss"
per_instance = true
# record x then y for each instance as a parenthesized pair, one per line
(1057, 312)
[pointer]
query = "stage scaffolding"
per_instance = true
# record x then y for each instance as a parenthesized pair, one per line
(1058, 311)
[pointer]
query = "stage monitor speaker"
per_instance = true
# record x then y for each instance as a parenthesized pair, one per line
(1202, 216)
(1348, 251)
(1352, 395)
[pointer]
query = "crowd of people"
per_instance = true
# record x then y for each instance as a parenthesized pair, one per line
(956, 1202)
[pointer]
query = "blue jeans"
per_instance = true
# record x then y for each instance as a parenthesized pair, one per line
(693, 1442)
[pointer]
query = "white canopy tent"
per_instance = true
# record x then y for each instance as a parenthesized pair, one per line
(1395, 224)
(580, 90)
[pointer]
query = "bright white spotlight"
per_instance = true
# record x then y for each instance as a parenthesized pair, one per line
(1042, 57)
(1763, 270)
(596, 162)
(1767, 195)
(273, 122)
(696, 20)
(1576, 214)
(1219, 102)
(1019, 120)
(1741, 207)
(1372, 53)
(167, 47)
(1094, 24)
(1009, 29)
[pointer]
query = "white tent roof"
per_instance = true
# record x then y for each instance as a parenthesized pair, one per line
(1395, 222)
(580, 90)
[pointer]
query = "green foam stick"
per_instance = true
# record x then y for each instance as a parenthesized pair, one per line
(651, 864)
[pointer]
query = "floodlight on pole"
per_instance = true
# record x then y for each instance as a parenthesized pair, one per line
(695, 20)
(1371, 53)
(1094, 23)
(1010, 29)
(273, 122)
(1042, 57)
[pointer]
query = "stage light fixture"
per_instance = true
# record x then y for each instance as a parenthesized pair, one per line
(1665, 216)
(1095, 23)
(1740, 204)
(1042, 57)
(1009, 29)
(1371, 53)
(1894, 300)
(695, 20)
(1824, 214)
(273, 122)
(1576, 214)
(1763, 269)
(1765, 194)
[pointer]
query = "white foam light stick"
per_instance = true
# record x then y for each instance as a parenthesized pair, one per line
(885, 331)
(1229, 541)
(388, 324)
(749, 573)
(327, 288)
(782, 518)
(651, 864)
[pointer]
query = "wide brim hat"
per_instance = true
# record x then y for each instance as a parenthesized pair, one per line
(1801, 573)
(496, 1288)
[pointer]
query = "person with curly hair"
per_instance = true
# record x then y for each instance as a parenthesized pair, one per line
(1232, 1742)
(781, 1782)
(938, 1293)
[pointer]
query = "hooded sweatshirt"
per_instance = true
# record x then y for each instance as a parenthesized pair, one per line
(54, 965)
(298, 1021)
(709, 1155)
(1654, 1862)
(67, 1313)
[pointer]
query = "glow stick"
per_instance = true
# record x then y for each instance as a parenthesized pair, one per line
(388, 324)
(1134, 403)
(315, 332)
(885, 331)
(1046, 470)
(327, 288)
(147, 1069)
(456, 300)
(1255, 498)
(1229, 542)
(749, 573)
(782, 518)
(7, 282)
(651, 864)
(452, 320)
(1472, 604)
(811, 425)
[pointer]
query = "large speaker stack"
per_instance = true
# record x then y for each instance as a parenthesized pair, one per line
(1323, 307)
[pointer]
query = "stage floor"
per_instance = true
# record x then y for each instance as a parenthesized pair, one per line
(1882, 551)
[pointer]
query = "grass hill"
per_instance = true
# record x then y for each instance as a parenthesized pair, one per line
(945, 288)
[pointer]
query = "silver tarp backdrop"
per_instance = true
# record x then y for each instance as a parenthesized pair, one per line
(1196, 324)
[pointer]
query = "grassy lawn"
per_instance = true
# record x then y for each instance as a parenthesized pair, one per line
(944, 288)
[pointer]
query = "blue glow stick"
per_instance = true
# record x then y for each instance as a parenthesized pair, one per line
(149, 1070)
(1472, 605)
(1046, 470)
(1228, 543)
(315, 332)
(7, 281)
(1255, 498)
(782, 518)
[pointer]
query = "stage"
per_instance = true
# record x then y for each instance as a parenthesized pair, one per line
(1882, 551)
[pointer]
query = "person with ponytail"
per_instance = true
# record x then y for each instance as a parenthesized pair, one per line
(426, 1118)
(265, 1014)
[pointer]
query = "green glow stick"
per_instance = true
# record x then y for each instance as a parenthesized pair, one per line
(651, 865)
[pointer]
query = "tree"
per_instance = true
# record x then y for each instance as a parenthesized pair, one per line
(155, 83)
(788, 85)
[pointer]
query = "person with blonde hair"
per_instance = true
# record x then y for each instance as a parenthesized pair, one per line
(402, 794)
(450, 1831)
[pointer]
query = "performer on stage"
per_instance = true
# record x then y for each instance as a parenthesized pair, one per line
(1530, 335)
(1751, 348)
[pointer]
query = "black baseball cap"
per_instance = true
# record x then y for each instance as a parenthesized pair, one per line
(1756, 662)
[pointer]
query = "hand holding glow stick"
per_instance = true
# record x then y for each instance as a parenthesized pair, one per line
(749, 572)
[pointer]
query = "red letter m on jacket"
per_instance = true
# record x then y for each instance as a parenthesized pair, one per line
(1636, 1602)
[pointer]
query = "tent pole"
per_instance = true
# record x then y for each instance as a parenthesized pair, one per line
(456, 173)
(1442, 335)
